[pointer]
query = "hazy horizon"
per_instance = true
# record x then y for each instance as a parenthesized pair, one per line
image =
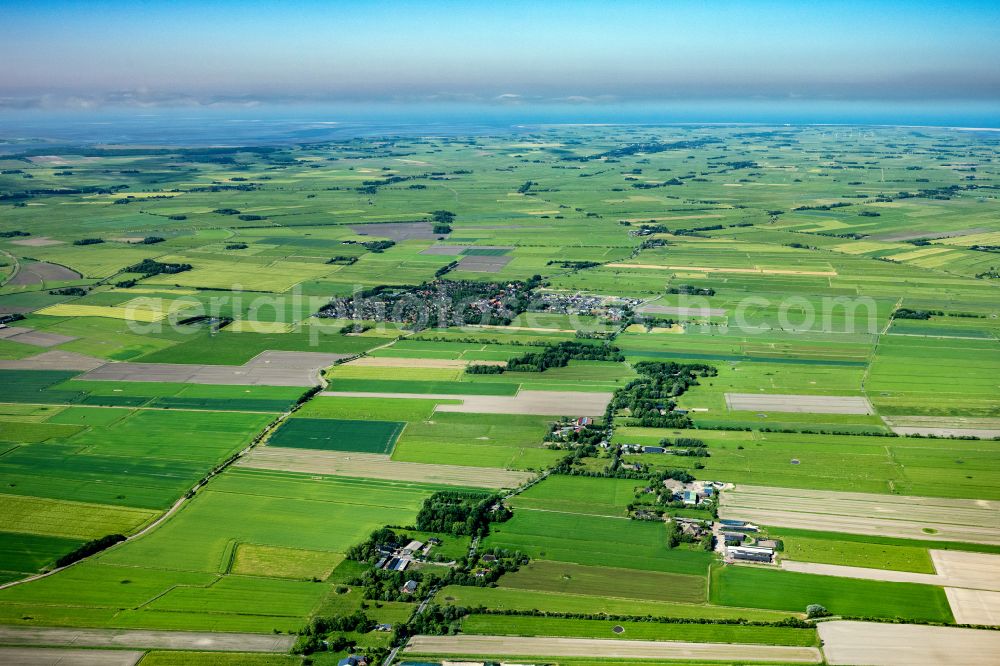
(878, 62)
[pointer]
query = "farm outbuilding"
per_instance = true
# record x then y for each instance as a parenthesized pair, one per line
(751, 553)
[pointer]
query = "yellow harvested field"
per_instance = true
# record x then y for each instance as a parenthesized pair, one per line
(376, 466)
(131, 314)
(256, 560)
(512, 646)
(250, 326)
(710, 269)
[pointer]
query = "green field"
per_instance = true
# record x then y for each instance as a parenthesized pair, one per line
(563, 577)
(784, 590)
(645, 631)
(596, 541)
(858, 554)
(185, 575)
(512, 598)
(338, 435)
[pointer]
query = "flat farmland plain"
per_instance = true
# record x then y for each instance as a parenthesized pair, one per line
(783, 257)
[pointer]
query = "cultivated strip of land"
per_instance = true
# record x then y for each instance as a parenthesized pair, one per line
(538, 403)
(683, 311)
(376, 466)
(400, 362)
(512, 646)
(810, 404)
(945, 426)
(269, 368)
(29, 336)
(974, 606)
(139, 638)
(878, 644)
(711, 269)
(54, 360)
(929, 518)
(19, 656)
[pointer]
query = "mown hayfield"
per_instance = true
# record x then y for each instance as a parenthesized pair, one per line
(759, 587)
(157, 658)
(564, 577)
(338, 435)
(509, 625)
(511, 598)
(596, 540)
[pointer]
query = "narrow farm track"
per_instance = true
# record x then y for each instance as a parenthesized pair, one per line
(14, 271)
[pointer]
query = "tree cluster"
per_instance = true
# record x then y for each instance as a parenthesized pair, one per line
(151, 267)
(558, 356)
(461, 512)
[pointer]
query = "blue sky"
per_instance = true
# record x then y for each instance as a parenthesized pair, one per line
(182, 53)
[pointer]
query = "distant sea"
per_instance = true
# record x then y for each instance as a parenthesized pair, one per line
(284, 124)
